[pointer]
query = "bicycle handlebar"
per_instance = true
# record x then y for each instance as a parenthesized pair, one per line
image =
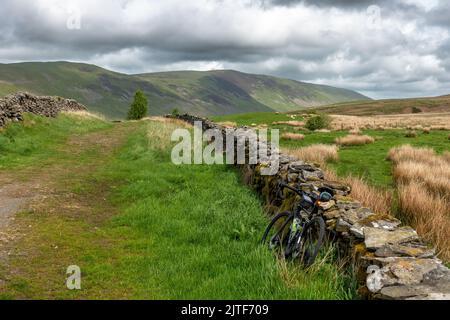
(297, 191)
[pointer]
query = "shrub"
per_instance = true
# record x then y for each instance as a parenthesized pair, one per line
(353, 140)
(292, 136)
(175, 112)
(139, 107)
(416, 110)
(321, 121)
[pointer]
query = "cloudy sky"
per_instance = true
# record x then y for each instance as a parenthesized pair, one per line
(379, 48)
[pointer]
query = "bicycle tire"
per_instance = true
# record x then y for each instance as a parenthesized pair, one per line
(289, 218)
(314, 231)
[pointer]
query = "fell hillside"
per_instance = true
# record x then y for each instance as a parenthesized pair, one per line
(202, 93)
(387, 107)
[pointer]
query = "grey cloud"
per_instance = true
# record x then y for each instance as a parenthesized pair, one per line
(316, 41)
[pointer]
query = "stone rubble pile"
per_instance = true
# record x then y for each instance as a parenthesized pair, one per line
(13, 106)
(391, 260)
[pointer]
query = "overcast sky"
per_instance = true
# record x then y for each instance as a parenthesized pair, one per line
(379, 48)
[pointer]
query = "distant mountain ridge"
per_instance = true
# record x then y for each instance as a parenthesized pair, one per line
(198, 92)
(440, 104)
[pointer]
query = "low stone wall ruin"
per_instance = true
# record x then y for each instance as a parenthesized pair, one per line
(13, 106)
(390, 260)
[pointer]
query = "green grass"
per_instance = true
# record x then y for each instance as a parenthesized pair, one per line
(7, 88)
(35, 138)
(198, 232)
(246, 119)
(368, 161)
(147, 229)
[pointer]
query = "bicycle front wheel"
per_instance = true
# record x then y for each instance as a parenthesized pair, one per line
(277, 232)
(313, 237)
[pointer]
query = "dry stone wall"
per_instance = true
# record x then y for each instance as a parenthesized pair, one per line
(390, 260)
(13, 106)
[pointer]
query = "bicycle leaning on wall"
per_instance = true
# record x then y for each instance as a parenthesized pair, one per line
(299, 234)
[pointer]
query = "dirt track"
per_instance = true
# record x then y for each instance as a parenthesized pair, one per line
(47, 187)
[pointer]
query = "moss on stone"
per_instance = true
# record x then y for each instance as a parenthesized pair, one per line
(376, 217)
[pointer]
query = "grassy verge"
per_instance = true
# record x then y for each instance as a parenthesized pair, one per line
(36, 138)
(144, 228)
(246, 119)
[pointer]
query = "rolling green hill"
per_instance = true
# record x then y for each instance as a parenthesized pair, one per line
(391, 106)
(202, 93)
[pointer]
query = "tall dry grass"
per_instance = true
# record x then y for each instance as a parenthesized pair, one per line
(355, 132)
(408, 153)
(227, 124)
(159, 131)
(422, 165)
(446, 156)
(169, 121)
(293, 136)
(375, 198)
(423, 180)
(433, 121)
(354, 140)
(85, 114)
(316, 153)
(293, 123)
(428, 213)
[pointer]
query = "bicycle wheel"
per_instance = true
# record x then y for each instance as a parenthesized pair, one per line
(276, 234)
(312, 240)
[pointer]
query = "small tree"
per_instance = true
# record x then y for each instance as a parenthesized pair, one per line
(416, 110)
(139, 107)
(322, 121)
(175, 112)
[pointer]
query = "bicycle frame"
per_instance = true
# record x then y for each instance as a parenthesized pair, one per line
(303, 220)
(295, 236)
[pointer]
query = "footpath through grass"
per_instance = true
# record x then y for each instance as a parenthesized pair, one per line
(36, 138)
(141, 227)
